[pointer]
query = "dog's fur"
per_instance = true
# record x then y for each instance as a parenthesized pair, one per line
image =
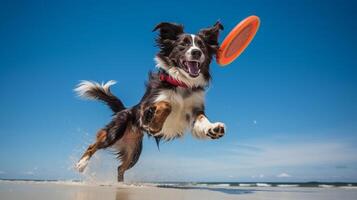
(166, 110)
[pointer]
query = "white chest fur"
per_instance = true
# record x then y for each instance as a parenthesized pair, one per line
(180, 119)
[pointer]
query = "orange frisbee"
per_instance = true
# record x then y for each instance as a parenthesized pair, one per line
(237, 40)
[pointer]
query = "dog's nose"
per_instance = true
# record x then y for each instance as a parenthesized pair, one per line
(196, 53)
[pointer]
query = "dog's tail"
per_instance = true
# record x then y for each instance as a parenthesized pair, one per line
(94, 90)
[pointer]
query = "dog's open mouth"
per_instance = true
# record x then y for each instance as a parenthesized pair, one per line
(192, 68)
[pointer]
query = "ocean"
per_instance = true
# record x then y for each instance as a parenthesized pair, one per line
(258, 184)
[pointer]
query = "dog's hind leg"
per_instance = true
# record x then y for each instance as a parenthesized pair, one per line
(105, 137)
(129, 149)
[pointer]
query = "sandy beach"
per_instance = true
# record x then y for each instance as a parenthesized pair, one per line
(11, 190)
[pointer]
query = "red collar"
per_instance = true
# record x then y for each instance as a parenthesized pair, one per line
(169, 79)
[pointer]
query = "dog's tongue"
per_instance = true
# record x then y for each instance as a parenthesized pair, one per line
(193, 68)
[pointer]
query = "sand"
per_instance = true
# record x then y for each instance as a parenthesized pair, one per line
(11, 190)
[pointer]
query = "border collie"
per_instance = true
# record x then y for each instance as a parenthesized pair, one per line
(172, 104)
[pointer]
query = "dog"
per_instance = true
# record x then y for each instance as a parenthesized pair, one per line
(172, 104)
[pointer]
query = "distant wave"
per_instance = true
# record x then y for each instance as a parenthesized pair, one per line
(246, 185)
(221, 185)
(325, 186)
(263, 185)
(348, 187)
(287, 185)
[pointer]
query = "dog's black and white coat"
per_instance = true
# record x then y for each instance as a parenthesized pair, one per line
(172, 104)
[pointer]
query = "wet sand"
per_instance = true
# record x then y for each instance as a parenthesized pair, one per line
(11, 190)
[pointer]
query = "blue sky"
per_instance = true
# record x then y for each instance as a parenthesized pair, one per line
(289, 101)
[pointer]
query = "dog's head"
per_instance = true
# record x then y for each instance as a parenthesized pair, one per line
(184, 56)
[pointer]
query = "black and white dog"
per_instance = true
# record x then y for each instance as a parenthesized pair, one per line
(172, 104)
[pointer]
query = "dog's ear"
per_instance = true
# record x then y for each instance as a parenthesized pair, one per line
(168, 33)
(169, 30)
(210, 36)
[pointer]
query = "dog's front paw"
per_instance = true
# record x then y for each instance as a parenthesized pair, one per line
(216, 131)
(149, 120)
(148, 115)
(154, 117)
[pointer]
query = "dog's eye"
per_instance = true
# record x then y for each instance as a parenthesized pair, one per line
(199, 43)
(185, 44)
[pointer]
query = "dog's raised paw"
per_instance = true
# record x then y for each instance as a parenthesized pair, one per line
(216, 131)
(154, 117)
(149, 114)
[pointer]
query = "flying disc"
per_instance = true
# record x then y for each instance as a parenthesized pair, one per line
(237, 40)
